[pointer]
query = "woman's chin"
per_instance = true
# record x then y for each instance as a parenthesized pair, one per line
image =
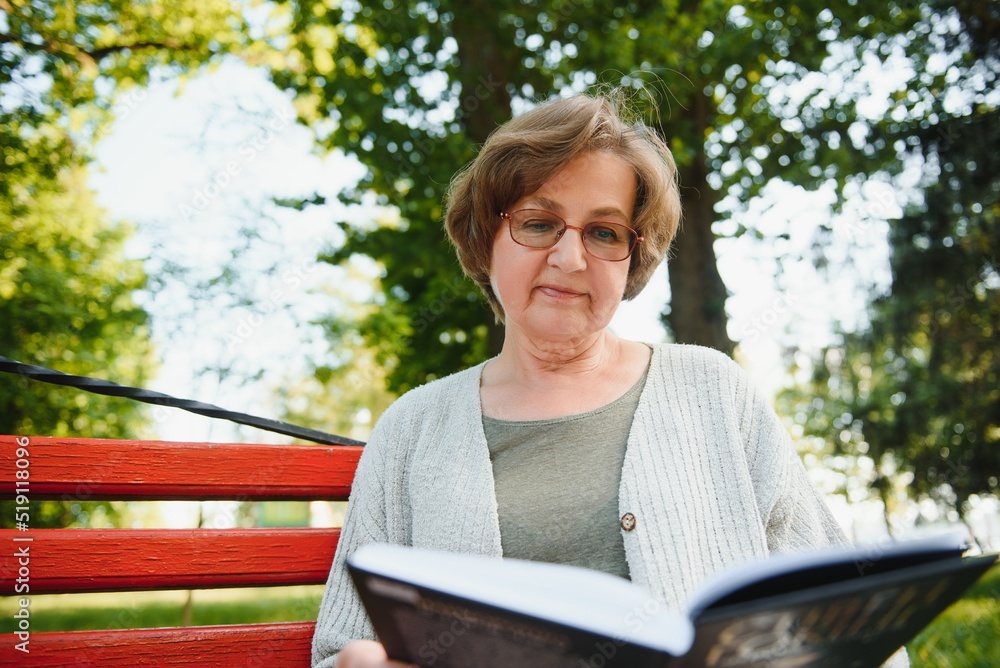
(562, 329)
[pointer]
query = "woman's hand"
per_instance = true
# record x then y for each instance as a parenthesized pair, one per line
(366, 654)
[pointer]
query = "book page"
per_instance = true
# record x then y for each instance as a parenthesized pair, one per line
(795, 572)
(576, 597)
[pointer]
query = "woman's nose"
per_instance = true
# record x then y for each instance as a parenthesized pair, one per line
(569, 254)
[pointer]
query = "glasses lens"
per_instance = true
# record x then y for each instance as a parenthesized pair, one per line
(608, 241)
(540, 229)
(537, 229)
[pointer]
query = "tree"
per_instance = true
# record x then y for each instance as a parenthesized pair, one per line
(344, 398)
(411, 88)
(917, 390)
(67, 301)
(67, 288)
(63, 67)
(745, 93)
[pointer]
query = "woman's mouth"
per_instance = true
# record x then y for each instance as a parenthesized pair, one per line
(558, 291)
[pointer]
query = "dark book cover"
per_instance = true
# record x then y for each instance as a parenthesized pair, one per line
(843, 607)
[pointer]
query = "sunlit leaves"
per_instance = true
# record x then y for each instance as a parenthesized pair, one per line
(68, 303)
(67, 291)
(921, 384)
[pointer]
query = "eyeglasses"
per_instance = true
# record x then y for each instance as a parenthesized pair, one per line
(535, 228)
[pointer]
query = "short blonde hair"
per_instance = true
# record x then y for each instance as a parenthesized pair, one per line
(524, 153)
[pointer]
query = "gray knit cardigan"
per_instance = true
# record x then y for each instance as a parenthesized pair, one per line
(709, 474)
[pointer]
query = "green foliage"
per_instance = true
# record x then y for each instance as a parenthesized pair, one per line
(917, 391)
(85, 49)
(345, 397)
(744, 93)
(411, 88)
(937, 330)
(67, 68)
(67, 302)
(63, 67)
(65, 285)
(718, 74)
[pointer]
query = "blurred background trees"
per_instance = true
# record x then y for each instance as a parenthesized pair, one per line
(67, 289)
(917, 391)
(747, 94)
(412, 88)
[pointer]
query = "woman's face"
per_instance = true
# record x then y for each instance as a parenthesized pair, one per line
(563, 294)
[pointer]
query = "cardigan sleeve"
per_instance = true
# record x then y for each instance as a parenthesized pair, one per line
(342, 617)
(795, 516)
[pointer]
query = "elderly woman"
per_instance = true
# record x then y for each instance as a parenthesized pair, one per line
(656, 463)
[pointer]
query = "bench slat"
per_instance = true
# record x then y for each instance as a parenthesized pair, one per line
(92, 560)
(251, 645)
(104, 469)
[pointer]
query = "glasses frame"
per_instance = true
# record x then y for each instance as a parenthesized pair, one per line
(636, 237)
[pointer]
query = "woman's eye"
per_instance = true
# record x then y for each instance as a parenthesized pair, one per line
(539, 225)
(602, 233)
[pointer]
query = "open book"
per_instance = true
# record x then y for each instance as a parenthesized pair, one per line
(839, 607)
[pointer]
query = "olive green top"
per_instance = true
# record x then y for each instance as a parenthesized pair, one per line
(557, 484)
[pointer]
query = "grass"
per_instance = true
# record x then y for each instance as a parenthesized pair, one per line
(967, 635)
(166, 608)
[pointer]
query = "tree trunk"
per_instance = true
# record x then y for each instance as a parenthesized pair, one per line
(883, 486)
(485, 67)
(697, 294)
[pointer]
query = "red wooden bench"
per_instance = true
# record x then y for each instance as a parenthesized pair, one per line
(123, 560)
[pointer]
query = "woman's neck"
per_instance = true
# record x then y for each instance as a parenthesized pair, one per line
(527, 383)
